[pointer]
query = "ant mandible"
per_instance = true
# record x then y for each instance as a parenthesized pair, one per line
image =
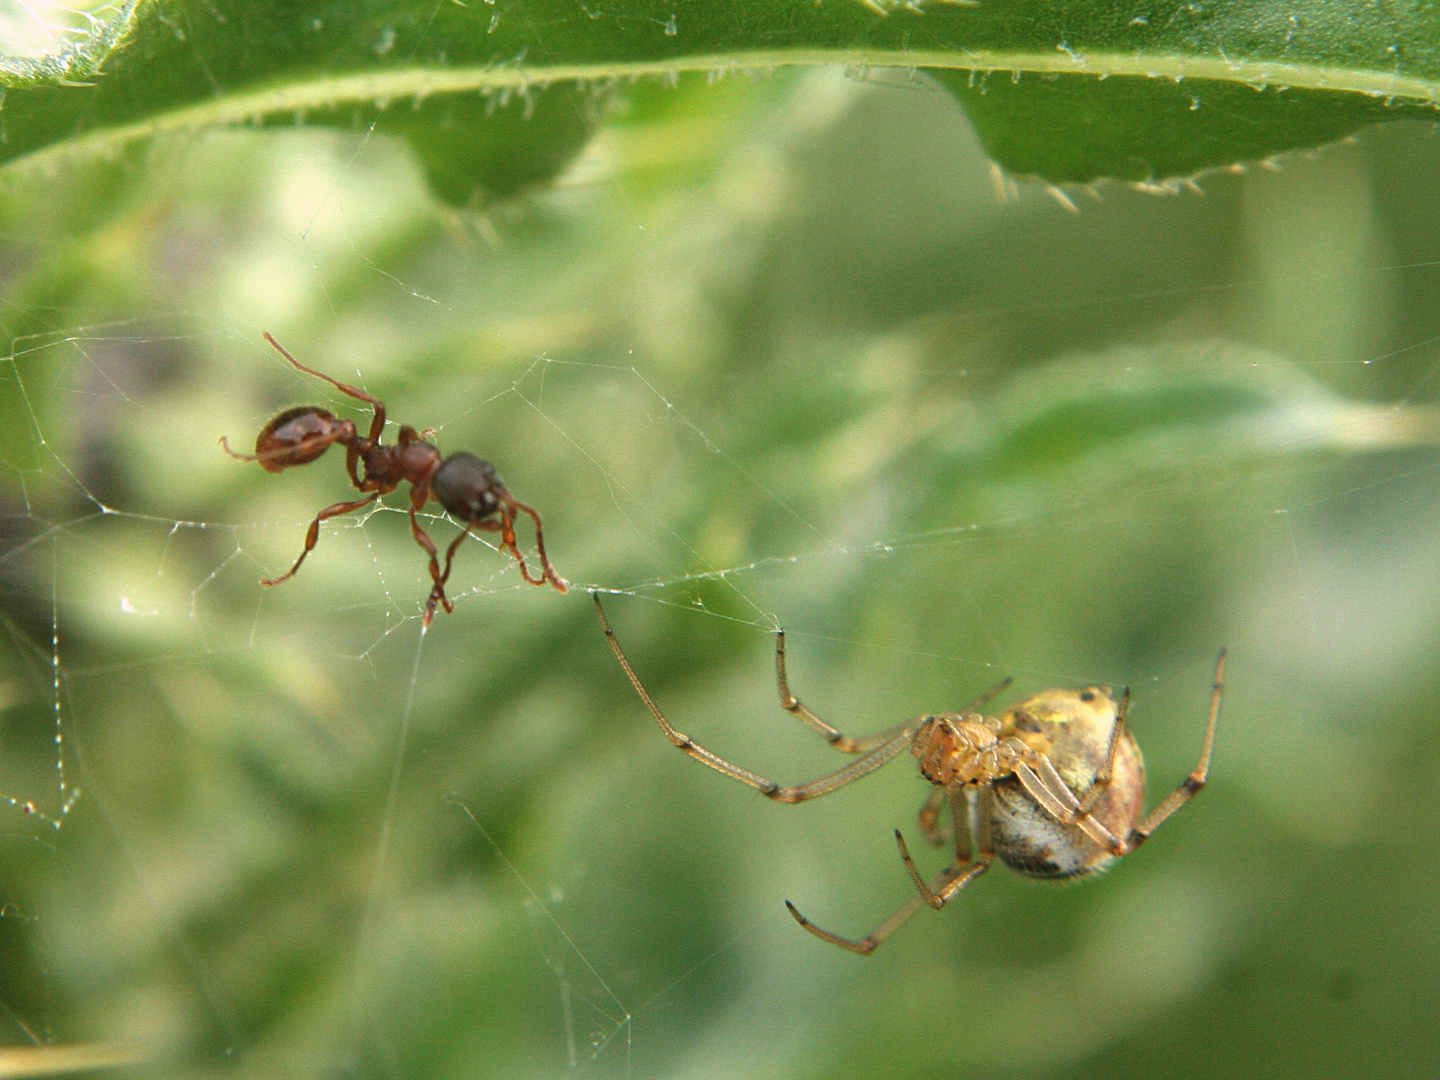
(463, 484)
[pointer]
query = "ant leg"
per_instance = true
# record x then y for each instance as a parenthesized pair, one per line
(508, 544)
(377, 424)
(313, 535)
(225, 445)
(450, 553)
(352, 458)
(507, 516)
(437, 592)
(419, 496)
(324, 443)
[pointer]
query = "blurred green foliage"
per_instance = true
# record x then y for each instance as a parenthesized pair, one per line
(775, 351)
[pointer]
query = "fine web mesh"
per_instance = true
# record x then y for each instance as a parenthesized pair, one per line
(309, 832)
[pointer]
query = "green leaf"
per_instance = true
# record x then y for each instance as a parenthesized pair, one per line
(478, 148)
(1075, 92)
(1075, 129)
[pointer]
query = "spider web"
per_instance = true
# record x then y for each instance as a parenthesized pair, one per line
(540, 847)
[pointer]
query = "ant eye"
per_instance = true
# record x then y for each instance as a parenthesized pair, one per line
(1087, 695)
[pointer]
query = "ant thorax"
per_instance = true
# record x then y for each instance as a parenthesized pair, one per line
(411, 459)
(1075, 729)
(418, 458)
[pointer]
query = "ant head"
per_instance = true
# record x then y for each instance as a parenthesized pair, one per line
(467, 487)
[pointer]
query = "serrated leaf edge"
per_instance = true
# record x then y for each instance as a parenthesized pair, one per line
(383, 87)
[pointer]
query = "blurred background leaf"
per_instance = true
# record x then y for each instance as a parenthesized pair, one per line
(769, 350)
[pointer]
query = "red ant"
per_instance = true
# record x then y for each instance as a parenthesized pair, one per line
(463, 484)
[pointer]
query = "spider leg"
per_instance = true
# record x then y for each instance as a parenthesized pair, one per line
(930, 815)
(865, 946)
(898, 740)
(788, 701)
(1193, 783)
(840, 741)
(951, 882)
(1102, 778)
(377, 424)
(984, 699)
(960, 824)
(1039, 778)
(313, 535)
(1043, 784)
(962, 871)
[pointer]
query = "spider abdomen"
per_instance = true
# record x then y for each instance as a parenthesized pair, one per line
(1075, 729)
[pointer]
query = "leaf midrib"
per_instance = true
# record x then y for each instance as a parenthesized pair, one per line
(379, 88)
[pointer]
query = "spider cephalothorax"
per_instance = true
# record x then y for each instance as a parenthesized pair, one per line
(961, 750)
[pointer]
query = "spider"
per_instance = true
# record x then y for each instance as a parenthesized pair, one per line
(1053, 787)
(463, 484)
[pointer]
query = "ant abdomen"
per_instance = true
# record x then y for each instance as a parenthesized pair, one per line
(297, 437)
(467, 487)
